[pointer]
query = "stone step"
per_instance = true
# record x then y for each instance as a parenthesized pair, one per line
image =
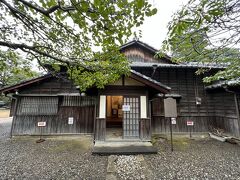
(123, 148)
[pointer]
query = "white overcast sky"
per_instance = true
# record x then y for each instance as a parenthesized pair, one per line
(154, 29)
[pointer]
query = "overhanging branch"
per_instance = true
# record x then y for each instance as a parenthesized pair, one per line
(23, 47)
(49, 10)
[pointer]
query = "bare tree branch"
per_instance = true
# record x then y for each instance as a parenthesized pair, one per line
(32, 48)
(48, 11)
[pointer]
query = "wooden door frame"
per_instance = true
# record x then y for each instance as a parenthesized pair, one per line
(130, 91)
(106, 114)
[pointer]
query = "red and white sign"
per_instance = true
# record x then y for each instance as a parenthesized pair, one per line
(190, 123)
(41, 124)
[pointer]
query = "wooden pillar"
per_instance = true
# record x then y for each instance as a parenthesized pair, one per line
(100, 125)
(237, 111)
(14, 115)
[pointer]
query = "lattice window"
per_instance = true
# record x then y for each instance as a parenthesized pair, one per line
(37, 106)
(78, 101)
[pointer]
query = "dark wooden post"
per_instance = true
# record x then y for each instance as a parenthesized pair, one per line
(94, 121)
(14, 115)
(237, 111)
(171, 134)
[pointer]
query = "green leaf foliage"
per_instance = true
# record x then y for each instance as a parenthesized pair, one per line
(207, 31)
(83, 35)
(14, 69)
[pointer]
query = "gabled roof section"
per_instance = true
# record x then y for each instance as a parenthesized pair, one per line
(147, 50)
(24, 83)
(150, 48)
(134, 75)
(149, 82)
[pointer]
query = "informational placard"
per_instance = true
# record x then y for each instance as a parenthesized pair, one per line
(170, 107)
(125, 107)
(173, 120)
(70, 120)
(41, 124)
(190, 123)
(198, 101)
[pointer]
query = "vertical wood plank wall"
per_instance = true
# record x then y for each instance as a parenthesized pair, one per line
(80, 108)
(100, 129)
(217, 109)
(51, 86)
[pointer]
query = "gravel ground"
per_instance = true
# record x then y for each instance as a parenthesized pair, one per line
(195, 159)
(5, 128)
(57, 158)
(127, 168)
(70, 158)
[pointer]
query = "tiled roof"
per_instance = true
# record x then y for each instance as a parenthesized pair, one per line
(182, 65)
(150, 79)
(226, 83)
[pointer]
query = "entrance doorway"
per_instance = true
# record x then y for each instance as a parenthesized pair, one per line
(131, 118)
(114, 120)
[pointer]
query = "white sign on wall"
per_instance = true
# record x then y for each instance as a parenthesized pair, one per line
(41, 124)
(70, 120)
(173, 120)
(125, 107)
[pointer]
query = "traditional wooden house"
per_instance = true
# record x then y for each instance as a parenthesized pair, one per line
(132, 107)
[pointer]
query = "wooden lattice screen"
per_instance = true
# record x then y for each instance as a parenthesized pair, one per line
(79, 101)
(37, 106)
(131, 118)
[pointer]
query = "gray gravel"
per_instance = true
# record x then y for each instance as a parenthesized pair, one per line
(70, 158)
(195, 159)
(129, 167)
(58, 158)
(5, 128)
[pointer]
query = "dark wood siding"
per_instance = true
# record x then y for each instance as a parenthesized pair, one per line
(238, 102)
(160, 124)
(12, 108)
(56, 117)
(140, 54)
(50, 86)
(100, 129)
(217, 108)
(145, 128)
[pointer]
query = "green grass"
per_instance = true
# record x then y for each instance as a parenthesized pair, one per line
(78, 146)
(58, 144)
(158, 138)
(179, 142)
